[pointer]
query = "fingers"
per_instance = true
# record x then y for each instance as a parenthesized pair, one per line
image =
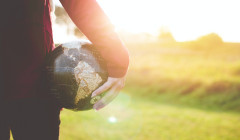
(102, 89)
(120, 84)
(113, 86)
(105, 100)
(106, 86)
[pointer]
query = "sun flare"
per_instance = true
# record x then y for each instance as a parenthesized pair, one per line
(186, 19)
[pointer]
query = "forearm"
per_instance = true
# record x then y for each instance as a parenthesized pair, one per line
(93, 22)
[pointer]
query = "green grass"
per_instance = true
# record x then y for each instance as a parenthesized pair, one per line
(145, 119)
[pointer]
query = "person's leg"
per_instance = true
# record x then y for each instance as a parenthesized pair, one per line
(4, 122)
(35, 119)
(4, 130)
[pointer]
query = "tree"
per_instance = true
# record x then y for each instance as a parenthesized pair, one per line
(210, 39)
(165, 36)
(62, 18)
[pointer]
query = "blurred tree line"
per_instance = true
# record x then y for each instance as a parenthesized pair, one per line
(209, 40)
(165, 36)
(62, 18)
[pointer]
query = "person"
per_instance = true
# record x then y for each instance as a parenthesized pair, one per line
(25, 40)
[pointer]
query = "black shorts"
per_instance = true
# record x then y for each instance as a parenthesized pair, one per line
(29, 119)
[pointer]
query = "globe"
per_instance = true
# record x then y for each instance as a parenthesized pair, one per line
(75, 69)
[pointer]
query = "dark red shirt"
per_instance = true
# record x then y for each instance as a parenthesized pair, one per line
(26, 38)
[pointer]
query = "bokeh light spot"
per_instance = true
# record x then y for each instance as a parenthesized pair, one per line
(112, 119)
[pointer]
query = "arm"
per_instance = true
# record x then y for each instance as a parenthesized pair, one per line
(92, 21)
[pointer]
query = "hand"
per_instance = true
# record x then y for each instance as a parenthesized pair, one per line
(112, 86)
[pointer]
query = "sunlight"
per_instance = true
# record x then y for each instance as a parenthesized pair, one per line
(186, 19)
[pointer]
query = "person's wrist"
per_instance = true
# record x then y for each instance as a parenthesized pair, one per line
(117, 73)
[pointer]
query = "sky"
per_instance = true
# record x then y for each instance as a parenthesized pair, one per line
(185, 19)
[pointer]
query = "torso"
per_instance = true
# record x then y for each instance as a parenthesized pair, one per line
(25, 39)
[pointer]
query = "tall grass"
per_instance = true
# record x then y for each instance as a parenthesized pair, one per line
(187, 73)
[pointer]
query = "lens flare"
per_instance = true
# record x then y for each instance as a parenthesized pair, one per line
(112, 119)
(118, 120)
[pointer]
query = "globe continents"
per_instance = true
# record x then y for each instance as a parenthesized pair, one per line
(75, 70)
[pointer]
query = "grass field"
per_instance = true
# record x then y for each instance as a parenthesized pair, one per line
(144, 119)
(178, 91)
